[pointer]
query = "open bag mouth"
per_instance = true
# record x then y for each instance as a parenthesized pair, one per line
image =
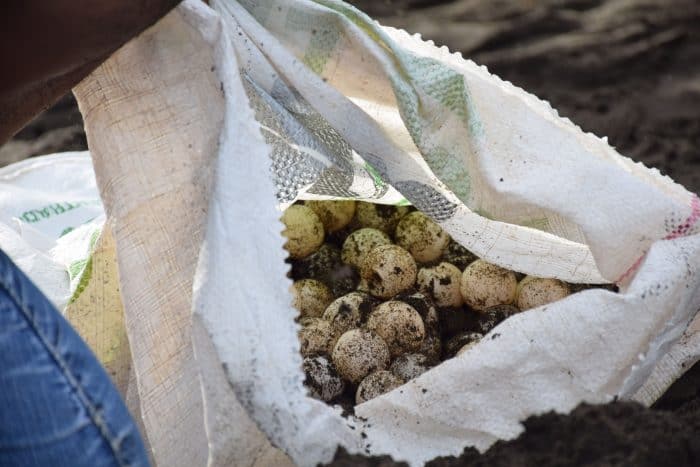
(384, 295)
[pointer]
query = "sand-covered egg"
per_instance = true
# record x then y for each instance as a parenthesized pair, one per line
(421, 237)
(399, 324)
(457, 343)
(431, 347)
(466, 348)
(432, 344)
(319, 265)
(491, 317)
(358, 244)
(458, 255)
(484, 285)
(315, 336)
(409, 366)
(343, 280)
(441, 283)
(303, 230)
(376, 384)
(388, 270)
(322, 379)
(334, 215)
(425, 308)
(348, 312)
(326, 266)
(536, 291)
(363, 286)
(379, 216)
(310, 297)
(359, 352)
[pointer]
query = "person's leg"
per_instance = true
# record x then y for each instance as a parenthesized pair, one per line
(57, 404)
(48, 46)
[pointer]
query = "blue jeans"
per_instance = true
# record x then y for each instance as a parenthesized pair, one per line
(58, 406)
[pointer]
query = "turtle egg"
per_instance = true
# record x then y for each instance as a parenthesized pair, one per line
(389, 270)
(359, 243)
(458, 255)
(431, 347)
(466, 347)
(422, 237)
(304, 231)
(314, 336)
(493, 316)
(359, 352)
(460, 341)
(333, 214)
(347, 312)
(379, 216)
(322, 380)
(399, 324)
(535, 291)
(310, 297)
(441, 283)
(326, 266)
(319, 265)
(484, 285)
(410, 366)
(363, 286)
(425, 308)
(376, 384)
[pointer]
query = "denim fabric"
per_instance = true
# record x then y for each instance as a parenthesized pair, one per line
(58, 406)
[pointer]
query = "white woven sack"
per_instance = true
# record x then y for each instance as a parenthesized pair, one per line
(183, 168)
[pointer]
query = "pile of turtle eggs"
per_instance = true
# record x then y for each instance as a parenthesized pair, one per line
(384, 294)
